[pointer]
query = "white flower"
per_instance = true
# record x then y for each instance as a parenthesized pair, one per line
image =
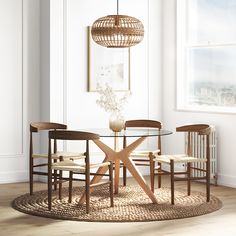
(110, 101)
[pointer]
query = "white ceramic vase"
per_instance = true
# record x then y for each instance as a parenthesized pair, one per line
(116, 122)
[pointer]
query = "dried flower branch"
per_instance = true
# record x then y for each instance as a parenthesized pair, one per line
(110, 101)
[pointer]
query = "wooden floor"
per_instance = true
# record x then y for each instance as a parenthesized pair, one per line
(222, 222)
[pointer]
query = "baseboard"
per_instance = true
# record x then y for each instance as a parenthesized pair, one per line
(13, 177)
(226, 180)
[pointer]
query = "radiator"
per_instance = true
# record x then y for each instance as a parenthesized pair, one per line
(199, 150)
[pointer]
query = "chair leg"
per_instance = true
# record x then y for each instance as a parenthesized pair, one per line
(55, 176)
(87, 189)
(188, 176)
(151, 173)
(70, 186)
(60, 184)
(208, 191)
(124, 175)
(111, 184)
(172, 181)
(50, 190)
(60, 180)
(159, 176)
(208, 181)
(31, 176)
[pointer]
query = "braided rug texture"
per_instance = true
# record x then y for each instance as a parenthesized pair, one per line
(131, 204)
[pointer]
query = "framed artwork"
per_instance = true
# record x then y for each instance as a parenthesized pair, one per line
(108, 65)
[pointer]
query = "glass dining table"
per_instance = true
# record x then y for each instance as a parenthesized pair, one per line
(117, 155)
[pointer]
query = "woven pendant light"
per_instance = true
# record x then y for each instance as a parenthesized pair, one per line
(117, 31)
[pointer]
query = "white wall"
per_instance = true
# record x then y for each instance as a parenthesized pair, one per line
(69, 100)
(79, 106)
(45, 65)
(19, 78)
(63, 98)
(53, 60)
(81, 14)
(225, 124)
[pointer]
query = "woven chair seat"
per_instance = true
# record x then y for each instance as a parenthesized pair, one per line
(178, 158)
(69, 165)
(144, 153)
(65, 155)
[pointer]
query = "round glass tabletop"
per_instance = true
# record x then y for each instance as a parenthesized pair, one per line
(131, 132)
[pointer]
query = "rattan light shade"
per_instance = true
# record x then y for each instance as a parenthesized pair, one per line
(117, 31)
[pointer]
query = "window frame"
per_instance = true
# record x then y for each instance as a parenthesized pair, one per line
(182, 47)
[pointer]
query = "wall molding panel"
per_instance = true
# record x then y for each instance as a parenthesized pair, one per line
(19, 84)
(68, 63)
(11, 74)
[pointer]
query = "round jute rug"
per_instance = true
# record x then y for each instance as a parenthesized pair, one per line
(130, 205)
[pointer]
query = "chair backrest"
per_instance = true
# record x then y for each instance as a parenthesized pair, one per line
(206, 129)
(153, 124)
(35, 127)
(71, 135)
(143, 124)
(200, 129)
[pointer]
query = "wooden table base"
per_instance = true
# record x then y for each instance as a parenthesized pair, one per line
(123, 156)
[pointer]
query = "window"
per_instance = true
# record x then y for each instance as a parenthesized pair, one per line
(206, 55)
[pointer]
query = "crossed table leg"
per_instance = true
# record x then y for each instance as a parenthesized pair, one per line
(123, 156)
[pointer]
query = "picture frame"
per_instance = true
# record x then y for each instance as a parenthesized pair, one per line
(108, 66)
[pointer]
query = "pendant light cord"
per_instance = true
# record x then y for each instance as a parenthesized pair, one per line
(117, 7)
(117, 13)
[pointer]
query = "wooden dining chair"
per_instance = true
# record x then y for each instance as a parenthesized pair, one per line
(78, 168)
(187, 159)
(35, 167)
(144, 157)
